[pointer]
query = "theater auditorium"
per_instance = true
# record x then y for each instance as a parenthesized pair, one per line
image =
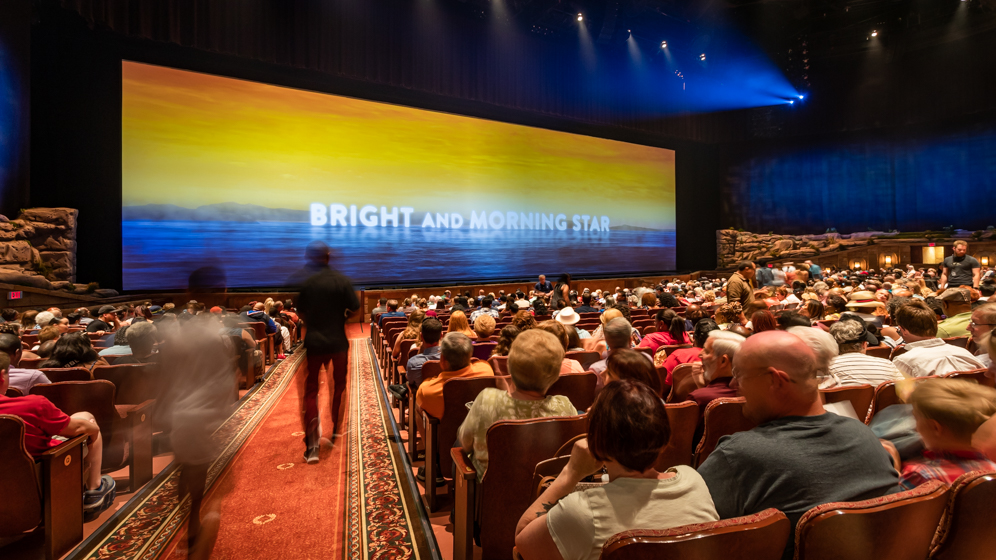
(497, 279)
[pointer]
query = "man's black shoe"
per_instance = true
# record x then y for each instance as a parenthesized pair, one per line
(311, 455)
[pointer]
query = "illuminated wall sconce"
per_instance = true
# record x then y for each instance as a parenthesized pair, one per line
(888, 260)
(857, 265)
(985, 261)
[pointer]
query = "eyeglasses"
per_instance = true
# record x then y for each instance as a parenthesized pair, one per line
(973, 324)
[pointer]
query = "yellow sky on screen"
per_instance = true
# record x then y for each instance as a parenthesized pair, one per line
(195, 139)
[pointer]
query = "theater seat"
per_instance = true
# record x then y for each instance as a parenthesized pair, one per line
(894, 527)
(56, 375)
(51, 495)
(515, 447)
(440, 433)
(977, 375)
(966, 530)
(578, 387)
(722, 417)
(860, 397)
(682, 417)
(761, 536)
(685, 378)
(125, 429)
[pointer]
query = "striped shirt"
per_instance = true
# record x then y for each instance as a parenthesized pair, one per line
(855, 368)
(945, 466)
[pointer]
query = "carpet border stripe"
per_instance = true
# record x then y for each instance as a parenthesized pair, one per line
(158, 500)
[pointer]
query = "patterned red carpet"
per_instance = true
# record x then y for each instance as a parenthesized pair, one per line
(267, 503)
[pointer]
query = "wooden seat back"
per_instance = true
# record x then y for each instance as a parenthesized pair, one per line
(722, 417)
(456, 394)
(30, 363)
(966, 529)
(959, 341)
(41, 491)
(584, 358)
(578, 387)
(670, 348)
(761, 536)
(879, 351)
(499, 364)
(898, 526)
(482, 350)
(860, 397)
(21, 508)
(682, 417)
(977, 375)
(133, 383)
(897, 351)
(514, 449)
(685, 378)
(57, 375)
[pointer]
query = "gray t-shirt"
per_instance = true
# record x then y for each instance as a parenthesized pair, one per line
(796, 463)
(960, 270)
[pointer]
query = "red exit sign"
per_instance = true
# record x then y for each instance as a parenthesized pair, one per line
(15, 295)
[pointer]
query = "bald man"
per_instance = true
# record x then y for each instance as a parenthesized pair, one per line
(799, 456)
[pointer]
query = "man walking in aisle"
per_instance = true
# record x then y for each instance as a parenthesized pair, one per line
(326, 300)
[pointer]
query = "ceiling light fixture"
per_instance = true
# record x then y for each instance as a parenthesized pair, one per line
(702, 56)
(874, 33)
(663, 44)
(580, 17)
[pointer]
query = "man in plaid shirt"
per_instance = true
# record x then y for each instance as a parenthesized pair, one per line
(948, 412)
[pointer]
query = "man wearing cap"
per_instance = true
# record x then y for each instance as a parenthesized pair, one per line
(960, 269)
(863, 304)
(957, 304)
(852, 366)
(106, 321)
(738, 289)
(569, 318)
(925, 353)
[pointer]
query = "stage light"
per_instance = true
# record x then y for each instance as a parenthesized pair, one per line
(802, 97)
(663, 44)
(580, 17)
(702, 56)
(791, 101)
(874, 33)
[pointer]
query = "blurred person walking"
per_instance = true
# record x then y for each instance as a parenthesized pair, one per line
(326, 301)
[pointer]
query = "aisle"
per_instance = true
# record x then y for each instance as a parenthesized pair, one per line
(273, 504)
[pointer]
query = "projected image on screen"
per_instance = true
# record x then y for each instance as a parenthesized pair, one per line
(243, 175)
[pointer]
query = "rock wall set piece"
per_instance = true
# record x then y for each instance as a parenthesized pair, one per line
(38, 249)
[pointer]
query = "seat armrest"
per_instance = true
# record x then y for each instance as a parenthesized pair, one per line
(139, 435)
(62, 499)
(431, 425)
(464, 506)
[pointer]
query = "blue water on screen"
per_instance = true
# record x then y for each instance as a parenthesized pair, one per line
(159, 255)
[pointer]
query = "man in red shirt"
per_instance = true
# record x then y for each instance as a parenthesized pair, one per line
(717, 367)
(43, 422)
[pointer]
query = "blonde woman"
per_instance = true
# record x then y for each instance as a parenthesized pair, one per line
(412, 332)
(459, 323)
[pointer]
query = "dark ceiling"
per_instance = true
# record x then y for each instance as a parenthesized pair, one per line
(798, 35)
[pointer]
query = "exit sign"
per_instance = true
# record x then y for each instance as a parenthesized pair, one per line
(15, 295)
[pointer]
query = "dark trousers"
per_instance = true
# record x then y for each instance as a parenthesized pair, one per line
(335, 371)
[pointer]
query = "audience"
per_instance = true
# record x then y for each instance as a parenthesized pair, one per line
(505, 339)
(73, 350)
(980, 328)
(534, 365)
(106, 322)
(627, 431)
(852, 366)
(948, 412)
(432, 331)
(799, 456)
(459, 324)
(925, 353)
(762, 321)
